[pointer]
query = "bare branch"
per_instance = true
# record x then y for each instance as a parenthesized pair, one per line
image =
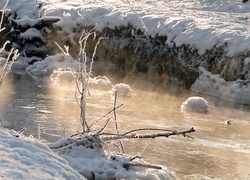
(146, 129)
(2, 16)
(141, 136)
(127, 165)
(105, 115)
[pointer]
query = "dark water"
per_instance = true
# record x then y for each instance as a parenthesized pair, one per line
(218, 150)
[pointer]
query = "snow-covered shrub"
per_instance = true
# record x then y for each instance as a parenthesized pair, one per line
(195, 104)
(122, 89)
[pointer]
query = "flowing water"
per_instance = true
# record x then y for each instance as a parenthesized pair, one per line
(217, 150)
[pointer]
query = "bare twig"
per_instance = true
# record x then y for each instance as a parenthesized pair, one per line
(146, 129)
(2, 15)
(105, 125)
(105, 115)
(116, 125)
(143, 136)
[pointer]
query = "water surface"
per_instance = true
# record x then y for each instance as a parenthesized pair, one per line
(217, 150)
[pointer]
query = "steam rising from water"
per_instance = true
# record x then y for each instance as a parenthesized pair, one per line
(217, 150)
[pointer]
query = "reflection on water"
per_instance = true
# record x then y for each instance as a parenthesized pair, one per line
(218, 150)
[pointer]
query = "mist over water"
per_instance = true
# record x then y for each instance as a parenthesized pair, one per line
(218, 149)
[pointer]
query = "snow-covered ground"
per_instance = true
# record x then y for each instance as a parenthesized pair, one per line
(24, 158)
(201, 25)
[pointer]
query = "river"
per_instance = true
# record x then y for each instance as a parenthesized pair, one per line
(217, 150)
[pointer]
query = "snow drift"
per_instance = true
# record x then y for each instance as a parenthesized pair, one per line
(23, 158)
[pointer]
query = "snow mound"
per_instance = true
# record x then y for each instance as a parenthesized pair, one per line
(87, 156)
(63, 75)
(100, 82)
(214, 85)
(122, 89)
(50, 63)
(22, 158)
(195, 104)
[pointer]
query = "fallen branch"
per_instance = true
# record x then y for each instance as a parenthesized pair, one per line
(127, 165)
(141, 136)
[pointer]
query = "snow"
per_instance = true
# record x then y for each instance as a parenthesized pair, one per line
(51, 63)
(100, 82)
(214, 85)
(89, 159)
(122, 89)
(201, 25)
(31, 33)
(195, 104)
(23, 158)
(26, 158)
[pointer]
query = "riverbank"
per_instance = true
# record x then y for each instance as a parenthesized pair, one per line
(165, 45)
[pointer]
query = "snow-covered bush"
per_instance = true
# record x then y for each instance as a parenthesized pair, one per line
(195, 104)
(122, 89)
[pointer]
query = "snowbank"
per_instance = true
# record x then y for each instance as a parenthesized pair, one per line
(49, 64)
(201, 25)
(23, 158)
(214, 85)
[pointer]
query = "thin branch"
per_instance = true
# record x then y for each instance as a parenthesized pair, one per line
(143, 24)
(116, 125)
(127, 165)
(143, 136)
(2, 17)
(105, 125)
(145, 129)
(105, 115)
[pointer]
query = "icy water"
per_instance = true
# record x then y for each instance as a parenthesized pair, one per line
(217, 150)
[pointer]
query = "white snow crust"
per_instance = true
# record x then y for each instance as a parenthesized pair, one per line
(214, 85)
(200, 24)
(23, 158)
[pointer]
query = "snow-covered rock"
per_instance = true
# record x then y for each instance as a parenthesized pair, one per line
(122, 89)
(100, 82)
(195, 104)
